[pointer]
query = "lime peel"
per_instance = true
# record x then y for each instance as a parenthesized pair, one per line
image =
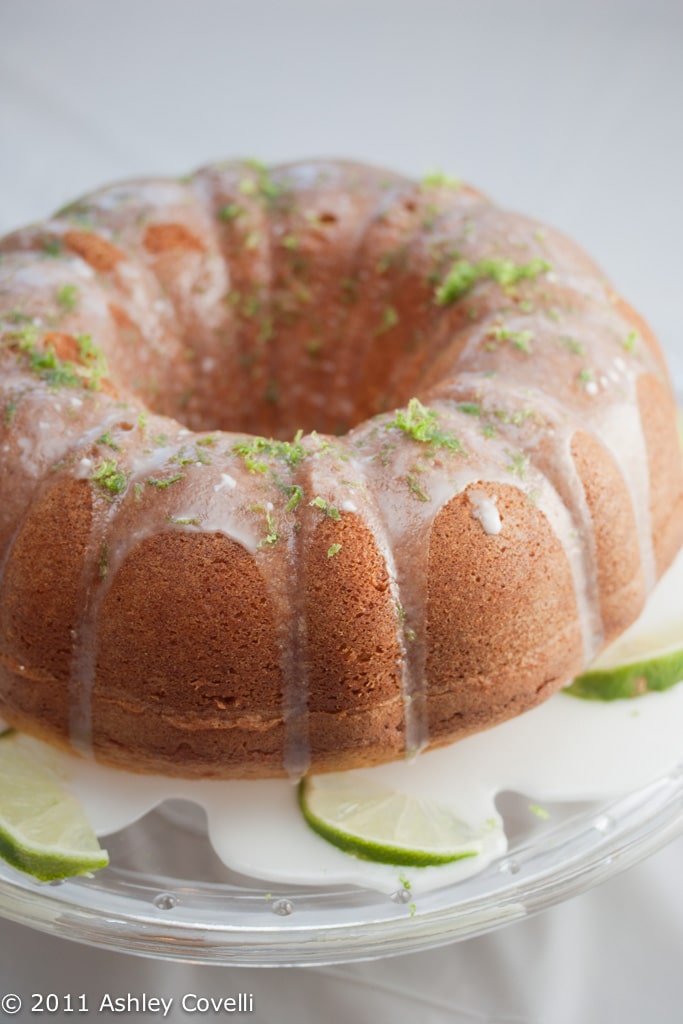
(43, 829)
(382, 825)
(624, 682)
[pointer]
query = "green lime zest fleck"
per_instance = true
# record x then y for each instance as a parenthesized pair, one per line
(67, 297)
(56, 372)
(432, 213)
(415, 488)
(52, 247)
(518, 417)
(263, 185)
(389, 319)
(296, 494)
(540, 812)
(469, 408)
(272, 392)
(251, 305)
(459, 280)
(206, 441)
(519, 464)
(16, 317)
(231, 211)
(163, 482)
(108, 477)
(333, 550)
(93, 360)
(631, 341)
(349, 289)
(108, 440)
(256, 448)
(422, 425)
(521, 340)
(103, 564)
(507, 272)
(331, 511)
(272, 535)
(290, 242)
(190, 458)
(463, 275)
(183, 520)
(44, 361)
(572, 345)
(437, 179)
(393, 259)
(10, 411)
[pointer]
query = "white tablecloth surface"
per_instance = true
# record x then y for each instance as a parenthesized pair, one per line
(570, 111)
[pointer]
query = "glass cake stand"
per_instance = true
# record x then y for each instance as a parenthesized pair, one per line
(167, 895)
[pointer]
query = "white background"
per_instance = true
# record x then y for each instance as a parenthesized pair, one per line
(569, 111)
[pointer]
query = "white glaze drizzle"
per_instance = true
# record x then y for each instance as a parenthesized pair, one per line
(620, 429)
(546, 438)
(286, 588)
(485, 510)
(407, 522)
(84, 650)
(205, 511)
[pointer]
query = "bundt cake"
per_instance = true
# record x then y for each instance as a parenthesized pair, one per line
(312, 467)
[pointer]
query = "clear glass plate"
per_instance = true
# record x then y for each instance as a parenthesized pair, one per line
(167, 895)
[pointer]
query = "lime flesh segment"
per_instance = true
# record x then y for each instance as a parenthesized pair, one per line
(379, 824)
(43, 830)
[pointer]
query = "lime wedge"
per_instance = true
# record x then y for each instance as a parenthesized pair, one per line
(648, 656)
(380, 824)
(43, 830)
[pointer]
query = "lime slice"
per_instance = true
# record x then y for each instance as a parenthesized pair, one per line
(43, 829)
(380, 824)
(648, 656)
(657, 673)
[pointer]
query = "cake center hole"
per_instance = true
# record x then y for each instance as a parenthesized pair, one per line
(294, 377)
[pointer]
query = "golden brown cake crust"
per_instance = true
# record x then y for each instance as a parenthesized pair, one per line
(309, 467)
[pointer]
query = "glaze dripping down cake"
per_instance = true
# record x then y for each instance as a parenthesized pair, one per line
(311, 467)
